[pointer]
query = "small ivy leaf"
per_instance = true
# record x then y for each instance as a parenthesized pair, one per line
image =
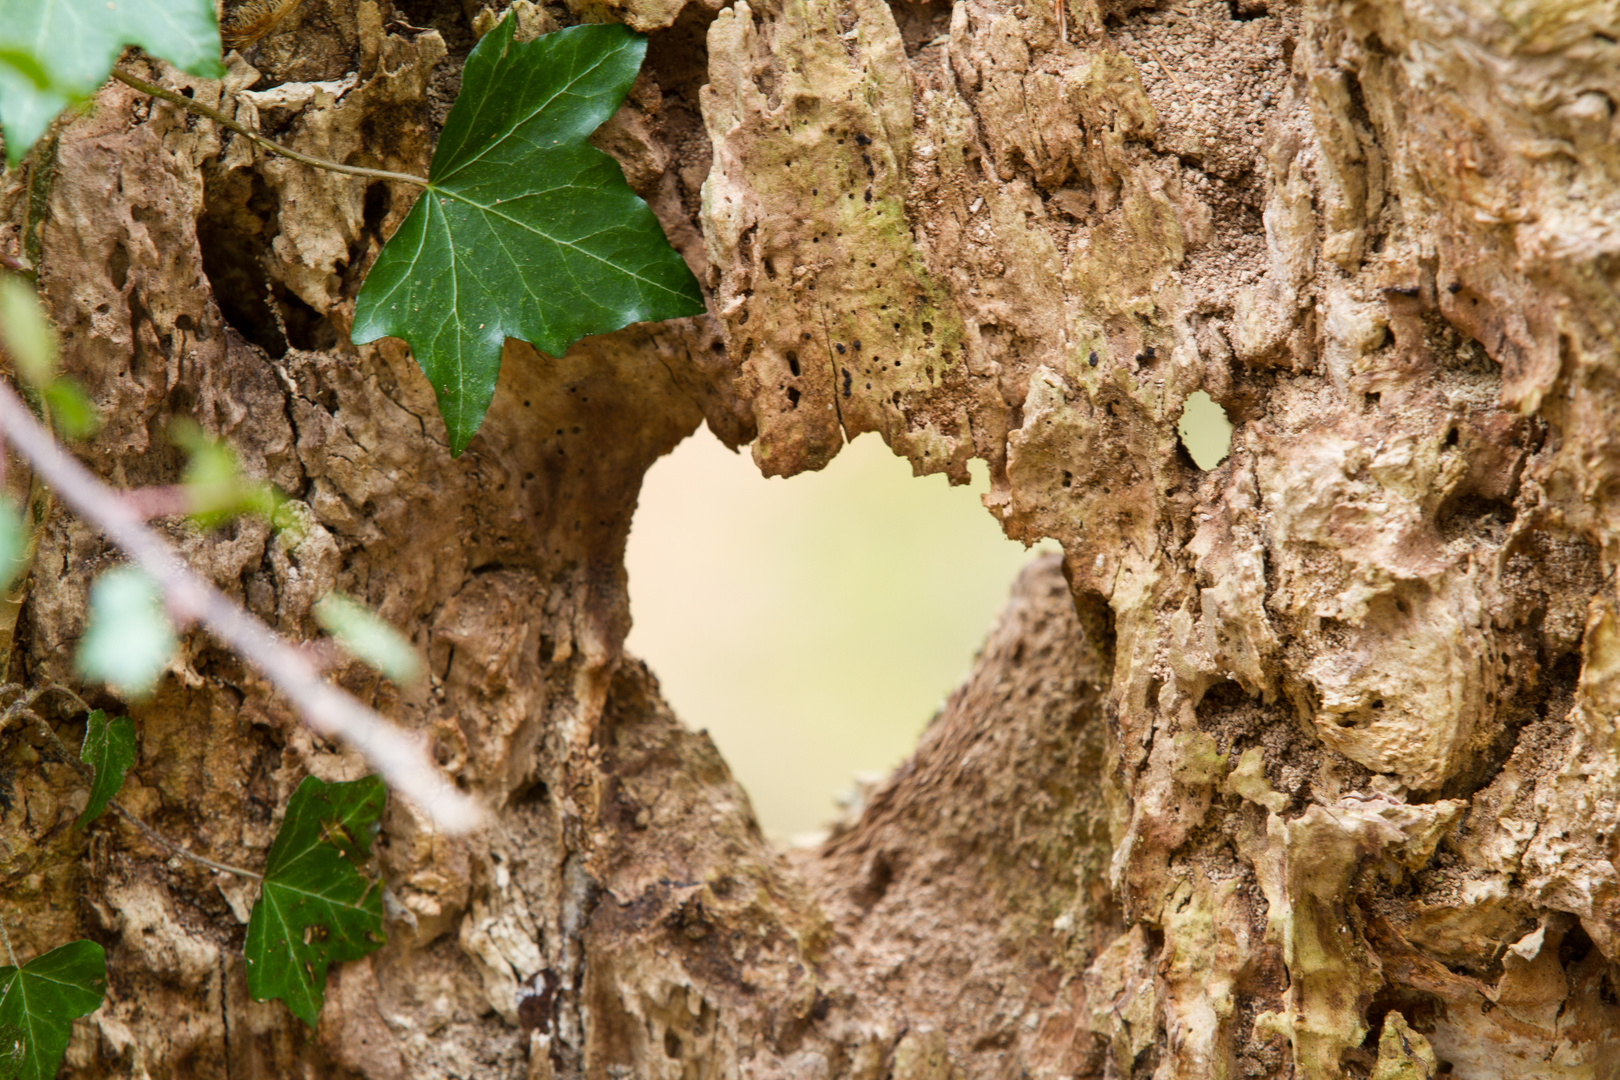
(24, 331)
(216, 489)
(110, 750)
(315, 908)
(14, 554)
(129, 638)
(73, 415)
(527, 230)
(366, 636)
(56, 52)
(30, 340)
(40, 1000)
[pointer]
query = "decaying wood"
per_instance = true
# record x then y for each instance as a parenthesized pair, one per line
(1305, 765)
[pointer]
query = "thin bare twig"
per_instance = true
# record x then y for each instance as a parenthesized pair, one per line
(1164, 67)
(269, 144)
(164, 842)
(400, 759)
(83, 705)
(83, 768)
(88, 772)
(23, 707)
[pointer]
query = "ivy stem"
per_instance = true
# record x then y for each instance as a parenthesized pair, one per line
(89, 773)
(5, 937)
(83, 706)
(23, 706)
(163, 841)
(269, 144)
(82, 768)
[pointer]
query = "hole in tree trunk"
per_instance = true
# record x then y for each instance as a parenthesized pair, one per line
(814, 625)
(1205, 430)
(239, 220)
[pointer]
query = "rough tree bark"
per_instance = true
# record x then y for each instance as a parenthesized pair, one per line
(1306, 765)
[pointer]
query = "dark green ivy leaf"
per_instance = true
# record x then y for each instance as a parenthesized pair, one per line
(56, 52)
(316, 908)
(527, 231)
(110, 750)
(12, 1049)
(40, 1001)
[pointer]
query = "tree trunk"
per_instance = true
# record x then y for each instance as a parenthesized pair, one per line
(1304, 765)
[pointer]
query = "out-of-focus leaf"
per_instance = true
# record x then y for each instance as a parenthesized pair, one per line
(366, 636)
(527, 230)
(14, 556)
(315, 908)
(24, 330)
(56, 52)
(109, 748)
(72, 413)
(129, 638)
(216, 489)
(27, 65)
(40, 1000)
(30, 340)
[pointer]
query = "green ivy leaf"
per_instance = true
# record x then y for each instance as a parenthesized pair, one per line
(216, 488)
(526, 231)
(40, 1000)
(56, 52)
(110, 750)
(366, 636)
(129, 638)
(12, 1051)
(315, 908)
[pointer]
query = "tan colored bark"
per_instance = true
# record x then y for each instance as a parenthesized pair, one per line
(1306, 765)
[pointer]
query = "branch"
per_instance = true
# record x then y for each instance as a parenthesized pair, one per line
(400, 759)
(163, 841)
(269, 144)
(24, 705)
(167, 500)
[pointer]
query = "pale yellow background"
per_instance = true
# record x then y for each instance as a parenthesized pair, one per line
(812, 625)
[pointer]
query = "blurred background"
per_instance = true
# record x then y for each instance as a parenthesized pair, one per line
(813, 626)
